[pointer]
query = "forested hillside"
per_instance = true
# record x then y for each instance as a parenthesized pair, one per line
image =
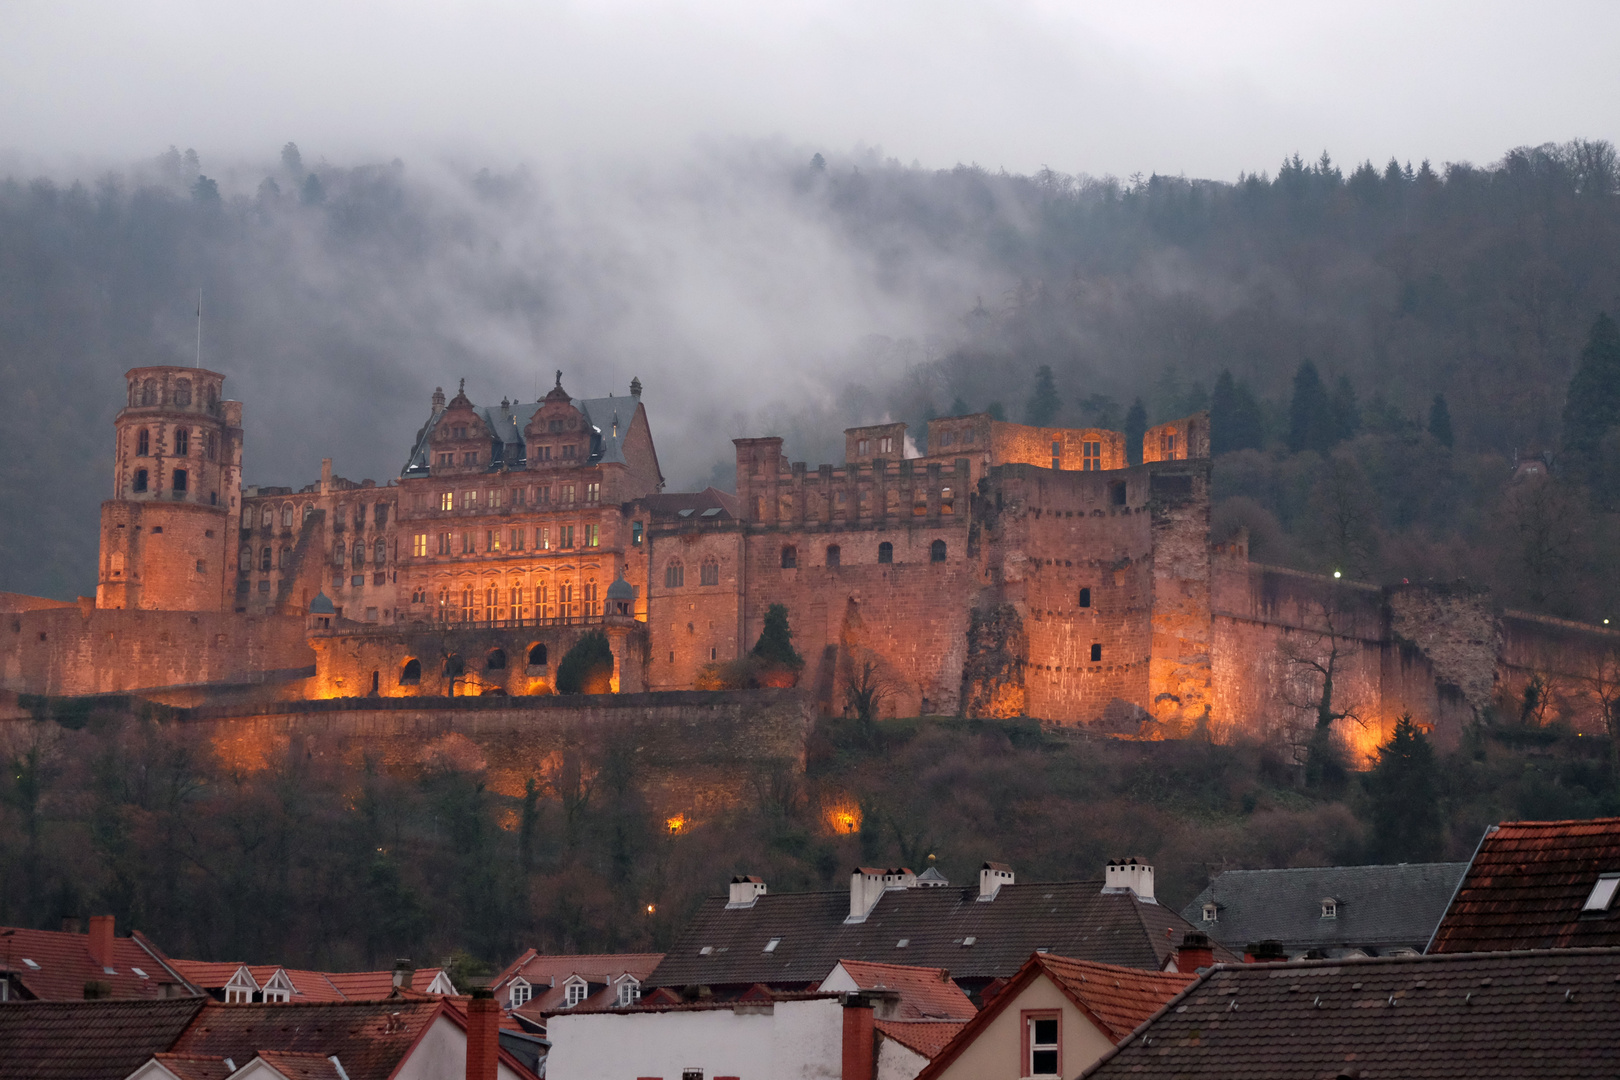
(1380, 344)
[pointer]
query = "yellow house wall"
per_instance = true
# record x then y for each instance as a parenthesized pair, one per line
(997, 1053)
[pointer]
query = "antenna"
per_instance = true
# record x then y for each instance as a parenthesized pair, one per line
(199, 327)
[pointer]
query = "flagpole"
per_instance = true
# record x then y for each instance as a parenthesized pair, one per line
(199, 329)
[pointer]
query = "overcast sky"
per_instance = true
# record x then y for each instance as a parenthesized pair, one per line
(1205, 89)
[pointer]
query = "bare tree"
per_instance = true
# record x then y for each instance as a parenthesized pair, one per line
(1317, 665)
(1602, 680)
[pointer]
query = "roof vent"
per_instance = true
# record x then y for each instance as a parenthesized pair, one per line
(1133, 875)
(992, 876)
(744, 891)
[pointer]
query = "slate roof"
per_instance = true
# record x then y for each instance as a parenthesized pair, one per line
(925, 993)
(369, 1038)
(62, 964)
(1518, 1014)
(508, 423)
(710, 504)
(1527, 884)
(1379, 907)
(926, 1037)
(88, 1040)
(943, 927)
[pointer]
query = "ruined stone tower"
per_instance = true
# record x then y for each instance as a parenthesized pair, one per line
(167, 533)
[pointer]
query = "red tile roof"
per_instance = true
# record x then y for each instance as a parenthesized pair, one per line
(1507, 1014)
(926, 1037)
(88, 1040)
(1526, 885)
(369, 1038)
(194, 1067)
(307, 985)
(53, 965)
(546, 975)
(302, 1066)
(925, 993)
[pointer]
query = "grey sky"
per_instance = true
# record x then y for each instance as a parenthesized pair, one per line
(1204, 89)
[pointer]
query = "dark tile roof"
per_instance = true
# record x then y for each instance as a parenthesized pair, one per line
(369, 1038)
(88, 1040)
(1527, 884)
(54, 965)
(1520, 1014)
(710, 504)
(943, 927)
(1379, 907)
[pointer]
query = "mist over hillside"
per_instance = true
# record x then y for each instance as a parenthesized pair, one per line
(759, 287)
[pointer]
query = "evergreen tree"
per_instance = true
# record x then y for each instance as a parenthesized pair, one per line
(959, 407)
(775, 644)
(996, 411)
(1440, 420)
(587, 668)
(1345, 410)
(1042, 408)
(1310, 416)
(1405, 790)
(313, 192)
(1100, 410)
(1593, 406)
(1235, 422)
(1135, 429)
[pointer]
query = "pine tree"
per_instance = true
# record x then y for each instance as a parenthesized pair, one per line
(1310, 416)
(1235, 422)
(1135, 429)
(1440, 420)
(1042, 408)
(959, 408)
(1593, 406)
(996, 411)
(1405, 790)
(775, 644)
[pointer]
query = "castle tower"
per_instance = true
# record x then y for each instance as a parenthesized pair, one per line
(168, 533)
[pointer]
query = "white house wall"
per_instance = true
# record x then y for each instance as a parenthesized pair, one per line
(441, 1054)
(896, 1062)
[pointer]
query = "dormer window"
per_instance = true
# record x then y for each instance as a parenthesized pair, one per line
(1602, 895)
(521, 993)
(629, 992)
(573, 994)
(1212, 913)
(459, 433)
(1330, 909)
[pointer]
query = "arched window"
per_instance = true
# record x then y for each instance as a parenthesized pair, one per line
(268, 518)
(264, 559)
(284, 558)
(790, 557)
(1085, 597)
(244, 559)
(834, 554)
(359, 555)
(674, 574)
(379, 552)
(182, 392)
(496, 660)
(149, 392)
(182, 442)
(590, 597)
(537, 655)
(143, 443)
(710, 572)
(1096, 654)
(286, 516)
(213, 446)
(936, 551)
(140, 480)
(885, 552)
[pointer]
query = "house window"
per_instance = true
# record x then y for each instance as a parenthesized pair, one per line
(629, 992)
(1602, 896)
(1211, 913)
(411, 673)
(1085, 597)
(277, 995)
(180, 479)
(1330, 909)
(834, 553)
(521, 992)
(674, 574)
(710, 572)
(574, 994)
(419, 546)
(143, 443)
(140, 480)
(790, 557)
(885, 552)
(1041, 1035)
(447, 500)
(936, 551)
(1096, 653)
(234, 996)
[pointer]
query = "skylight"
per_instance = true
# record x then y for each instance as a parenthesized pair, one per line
(30, 963)
(1602, 896)
(770, 946)
(902, 943)
(141, 973)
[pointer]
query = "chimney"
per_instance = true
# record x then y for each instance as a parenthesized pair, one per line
(404, 974)
(326, 476)
(860, 1038)
(866, 887)
(1195, 954)
(483, 1035)
(992, 876)
(1133, 875)
(744, 891)
(101, 940)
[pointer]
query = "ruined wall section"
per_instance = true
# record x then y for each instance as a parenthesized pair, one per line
(1066, 449)
(1180, 677)
(1577, 662)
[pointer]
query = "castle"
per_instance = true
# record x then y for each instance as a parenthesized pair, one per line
(1004, 571)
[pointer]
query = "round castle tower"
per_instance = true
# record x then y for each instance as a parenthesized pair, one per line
(168, 532)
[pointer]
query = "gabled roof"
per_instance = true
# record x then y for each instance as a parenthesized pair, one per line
(925, 993)
(54, 965)
(301, 1066)
(1115, 999)
(608, 420)
(942, 927)
(547, 974)
(926, 1037)
(1519, 1014)
(1378, 906)
(369, 1038)
(1527, 884)
(88, 1040)
(194, 1067)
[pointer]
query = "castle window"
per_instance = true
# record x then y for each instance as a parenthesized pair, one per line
(380, 551)
(566, 495)
(886, 444)
(470, 457)
(542, 495)
(568, 451)
(419, 546)
(537, 652)
(469, 500)
(759, 508)
(946, 438)
(784, 507)
(182, 392)
(674, 574)
(1090, 456)
(593, 494)
(492, 541)
(283, 557)
(891, 500)
(520, 609)
(589, 592)
(143, 443)
(492, 599)
(1096, 654)
(244, 559)
(411, 673)
(494, 499)
(1116, 493)
(967, 436)
(286, 516)
(863, 447)
(936, 551)
(359, 554)
(517, 496)
(213, 446)
(709, 573)
(565, 599)
(543, 453)
(264, 560)
(565, 536)
(467, 600)
(834, 554)
(542, 538)
(1085, 597)
(1057, 449)
(149, 392)
(445, 459)
(593, 536)
(139, 483)
(885, 552)
(947, 501)
(919, 502)
(182, 442)
(635, 534)
(445, 543)
(517, 539)
(180, 480)
(790, 558)
(459, 433)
